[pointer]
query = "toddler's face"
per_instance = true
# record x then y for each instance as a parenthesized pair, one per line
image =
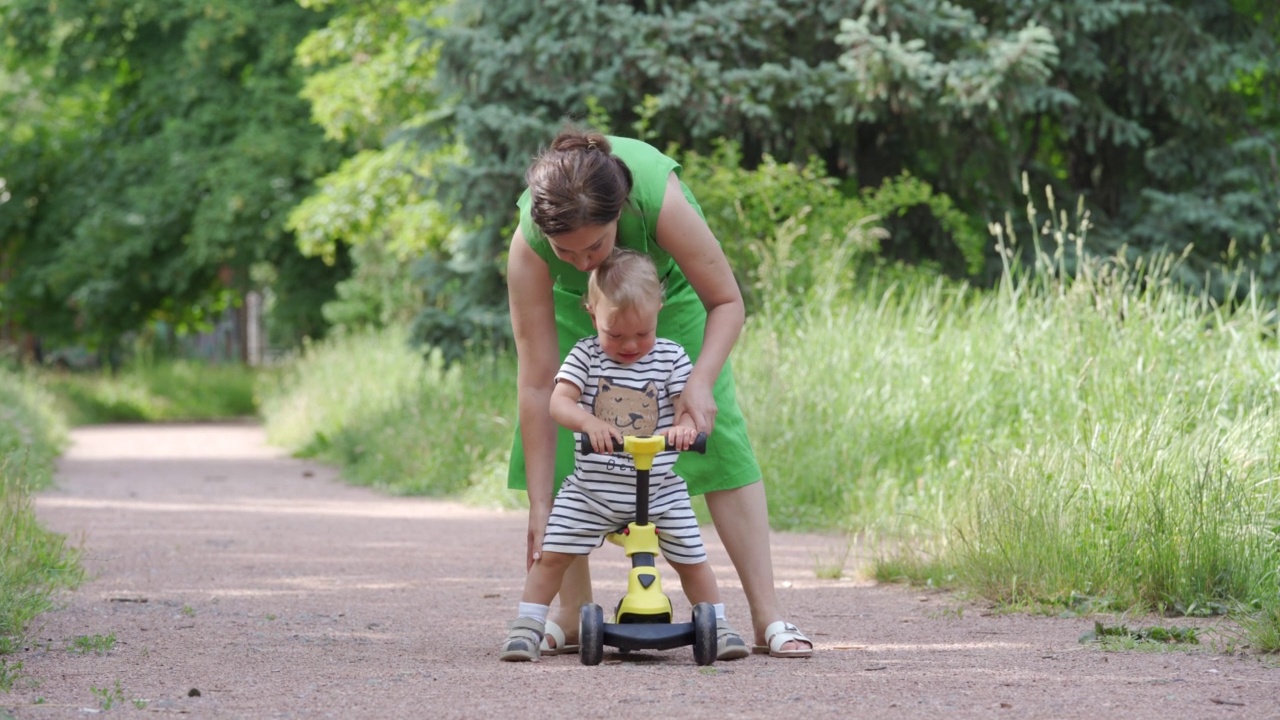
(625, 335)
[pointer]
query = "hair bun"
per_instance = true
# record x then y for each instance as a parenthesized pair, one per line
(580, 140)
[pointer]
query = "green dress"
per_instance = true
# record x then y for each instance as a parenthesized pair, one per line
(729, 462)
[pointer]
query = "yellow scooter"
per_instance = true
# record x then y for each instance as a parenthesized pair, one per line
(643, 617)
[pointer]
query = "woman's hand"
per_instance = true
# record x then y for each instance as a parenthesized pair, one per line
(533, 539)
(697, 405)
(681, 437)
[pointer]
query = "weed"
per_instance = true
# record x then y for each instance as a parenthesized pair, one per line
(10, 671)
(1262, 627)
(1021, 443)
(831, 565)
(1127, 638)
(108, 697)
(950, 613)
(188, 611)
(97, 644)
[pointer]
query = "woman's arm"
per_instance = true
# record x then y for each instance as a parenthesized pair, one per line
(533, 323)
(683, 233)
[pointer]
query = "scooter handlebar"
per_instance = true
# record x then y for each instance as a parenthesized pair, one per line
(699, 445)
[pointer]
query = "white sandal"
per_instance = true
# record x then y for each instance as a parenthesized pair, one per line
(780, 633)
(555, 632)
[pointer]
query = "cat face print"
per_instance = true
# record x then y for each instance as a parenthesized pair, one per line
(634, 412)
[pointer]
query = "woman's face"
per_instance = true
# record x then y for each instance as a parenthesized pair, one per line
(586, 247)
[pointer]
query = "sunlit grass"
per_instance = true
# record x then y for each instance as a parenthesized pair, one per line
(1085, 436)
(395, 420)
(1086, 439)
(155, 391)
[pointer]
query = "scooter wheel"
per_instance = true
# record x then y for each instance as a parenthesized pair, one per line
(591, 634)
(704, 634)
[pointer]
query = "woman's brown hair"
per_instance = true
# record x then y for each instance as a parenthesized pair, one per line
(577, 182)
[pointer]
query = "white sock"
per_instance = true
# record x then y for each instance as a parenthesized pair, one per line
(719, 610)
(534, 611)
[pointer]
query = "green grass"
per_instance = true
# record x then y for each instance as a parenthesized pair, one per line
(95, 644)
(111, 697)
(155, 391)
(1088, 440)
(1084, 437)
(34, 563)
(1126, 638)
(395, 420)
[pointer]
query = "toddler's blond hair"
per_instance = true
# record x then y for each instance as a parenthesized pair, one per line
(628, 280)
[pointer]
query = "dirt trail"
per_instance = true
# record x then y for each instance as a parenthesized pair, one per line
(272, 589)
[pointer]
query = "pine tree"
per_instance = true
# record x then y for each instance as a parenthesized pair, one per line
(1162, 114)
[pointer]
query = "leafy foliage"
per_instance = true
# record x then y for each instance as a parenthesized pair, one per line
(168, 146)
(367, 79)
(1161, 114)
(783, 224)
(684, 73)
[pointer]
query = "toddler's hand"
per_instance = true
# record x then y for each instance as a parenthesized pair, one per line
(602, 435)
(681, 436)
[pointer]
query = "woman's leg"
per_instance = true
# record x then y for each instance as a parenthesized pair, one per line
(575, 590)
(741, 517)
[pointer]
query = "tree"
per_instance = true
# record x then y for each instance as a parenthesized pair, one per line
(367, 79)
(1160, 113)
(183, 148)
(689, 73)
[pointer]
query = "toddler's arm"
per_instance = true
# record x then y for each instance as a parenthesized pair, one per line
(566, 411)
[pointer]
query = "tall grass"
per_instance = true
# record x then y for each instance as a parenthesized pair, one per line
(33, 561)
(396, 420)
(1085, 432)
(1085, 435)
(155, 391)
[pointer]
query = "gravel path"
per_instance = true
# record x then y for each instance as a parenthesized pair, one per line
(241, 583)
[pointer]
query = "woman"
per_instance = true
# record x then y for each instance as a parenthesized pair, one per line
(587, 194)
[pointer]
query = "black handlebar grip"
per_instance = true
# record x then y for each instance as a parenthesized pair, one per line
(699, 445)
(585, 448)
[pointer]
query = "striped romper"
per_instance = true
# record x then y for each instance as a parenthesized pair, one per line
(599, 496)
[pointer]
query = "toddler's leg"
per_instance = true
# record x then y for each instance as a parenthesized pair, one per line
(699, 582)
(544, 578)
(540, 586)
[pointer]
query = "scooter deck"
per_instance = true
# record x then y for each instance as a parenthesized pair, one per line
(648, 636)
